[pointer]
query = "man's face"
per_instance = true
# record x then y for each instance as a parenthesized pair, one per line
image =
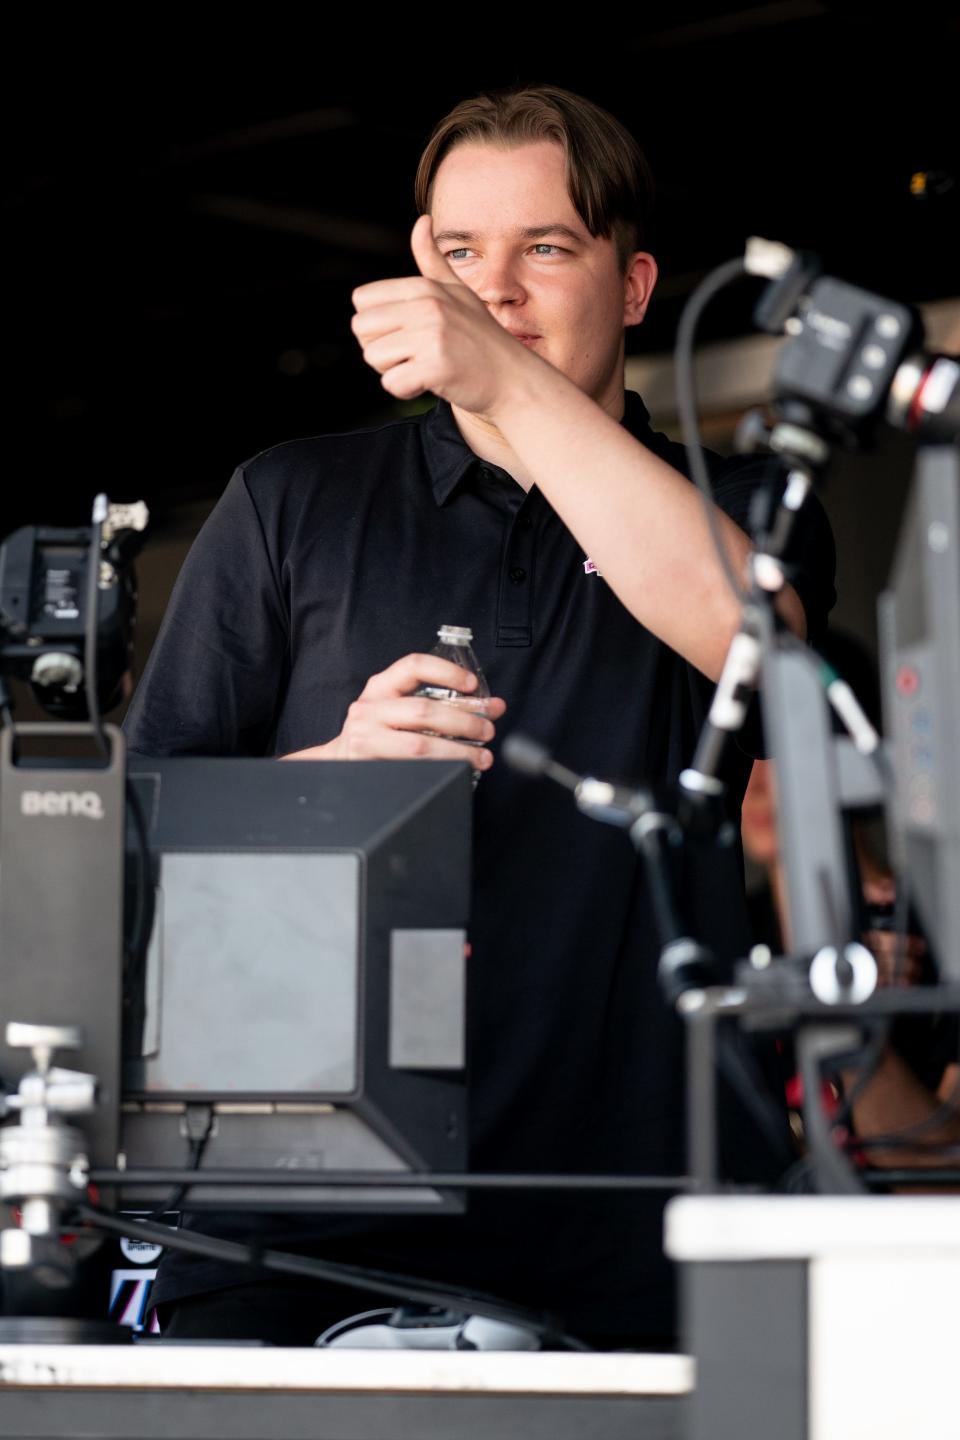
(507, 226)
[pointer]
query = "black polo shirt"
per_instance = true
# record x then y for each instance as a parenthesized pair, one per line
(326, 560)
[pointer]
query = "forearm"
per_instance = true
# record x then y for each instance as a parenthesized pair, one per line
(640, 520)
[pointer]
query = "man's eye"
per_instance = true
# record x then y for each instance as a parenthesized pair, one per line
(460, 254)
(547, 250)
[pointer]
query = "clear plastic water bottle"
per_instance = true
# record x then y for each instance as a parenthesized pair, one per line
(455, 642)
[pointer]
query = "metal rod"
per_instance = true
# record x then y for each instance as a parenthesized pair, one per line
(702, 1145)
(318, 1179)
(912, 1175)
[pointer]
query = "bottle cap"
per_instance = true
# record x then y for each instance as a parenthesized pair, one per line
(456, 634)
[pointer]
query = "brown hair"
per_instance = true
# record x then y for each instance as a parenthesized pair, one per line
(608, 178)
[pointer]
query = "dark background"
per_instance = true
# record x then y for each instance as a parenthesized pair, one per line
(188, 204)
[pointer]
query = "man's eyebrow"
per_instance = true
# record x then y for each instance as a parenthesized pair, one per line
(527, 232)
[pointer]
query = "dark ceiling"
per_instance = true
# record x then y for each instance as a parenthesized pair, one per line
(187, 211)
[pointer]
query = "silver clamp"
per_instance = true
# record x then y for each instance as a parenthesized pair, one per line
(43, 1161)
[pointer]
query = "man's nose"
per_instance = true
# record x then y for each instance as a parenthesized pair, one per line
(500, 284)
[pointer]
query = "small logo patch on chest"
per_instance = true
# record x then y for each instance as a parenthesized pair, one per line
(589, 568)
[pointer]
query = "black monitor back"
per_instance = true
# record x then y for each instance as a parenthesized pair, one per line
(302, 1000)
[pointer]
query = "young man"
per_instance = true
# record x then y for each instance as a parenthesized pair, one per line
(536, 505)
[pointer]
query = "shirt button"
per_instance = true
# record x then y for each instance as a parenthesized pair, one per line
(517, 575)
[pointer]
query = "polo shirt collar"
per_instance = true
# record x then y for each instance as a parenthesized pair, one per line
(450, 459)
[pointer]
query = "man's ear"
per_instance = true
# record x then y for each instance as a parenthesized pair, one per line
(638, 283)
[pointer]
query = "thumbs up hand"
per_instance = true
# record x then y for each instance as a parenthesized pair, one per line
(429, 332)
(431, 261)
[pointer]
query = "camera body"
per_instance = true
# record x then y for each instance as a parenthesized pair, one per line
(44, 604)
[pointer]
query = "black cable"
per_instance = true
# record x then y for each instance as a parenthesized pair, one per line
(716, 281)
(196, 1147)
(140, 927)
(398, 1287)
(92, 627)
(138, 916)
